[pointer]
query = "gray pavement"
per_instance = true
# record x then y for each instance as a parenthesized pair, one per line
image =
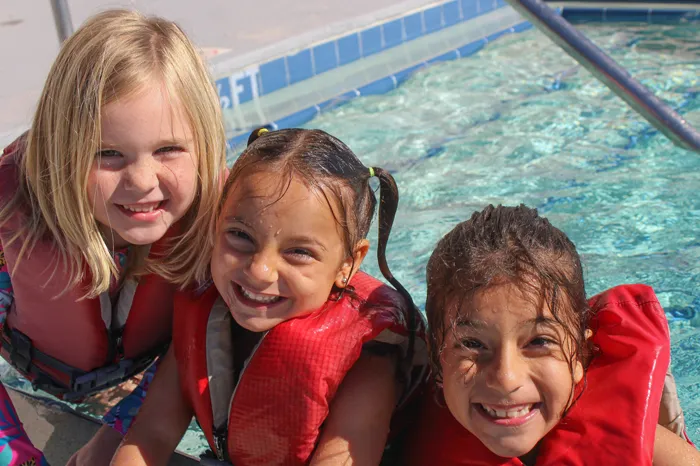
(58, 433)
(29, 42)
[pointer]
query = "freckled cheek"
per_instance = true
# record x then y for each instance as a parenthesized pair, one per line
(181, 179)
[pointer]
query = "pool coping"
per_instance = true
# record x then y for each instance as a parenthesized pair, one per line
(250, 82)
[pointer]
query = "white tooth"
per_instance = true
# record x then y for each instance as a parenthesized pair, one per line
(140, 209)
(508, 413)
(259, 298)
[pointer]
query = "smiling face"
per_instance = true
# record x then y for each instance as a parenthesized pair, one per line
(505, 378)
(276, 259)
(144, 178)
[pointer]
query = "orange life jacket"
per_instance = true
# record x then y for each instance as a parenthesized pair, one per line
(63, 344)
(614, 420)
(274, 412)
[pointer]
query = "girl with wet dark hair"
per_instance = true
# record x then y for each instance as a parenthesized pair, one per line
(290, 354)
(526, 370)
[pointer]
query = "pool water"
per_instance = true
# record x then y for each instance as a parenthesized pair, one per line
(521, 122)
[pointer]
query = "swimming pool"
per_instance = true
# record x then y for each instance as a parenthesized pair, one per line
(521, 122)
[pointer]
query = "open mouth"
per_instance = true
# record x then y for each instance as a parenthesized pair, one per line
(253, 299)
(143, 208)
(508, 415)
(500, 413)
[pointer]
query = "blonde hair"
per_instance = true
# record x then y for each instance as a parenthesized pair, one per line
(113, 55)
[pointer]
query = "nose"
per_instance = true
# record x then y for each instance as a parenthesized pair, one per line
(142, 174)
(506, 371)
(262, 269)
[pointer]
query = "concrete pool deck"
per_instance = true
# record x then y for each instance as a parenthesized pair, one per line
(227, 31)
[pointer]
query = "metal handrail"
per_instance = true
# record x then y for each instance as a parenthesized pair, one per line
(61, 15)
(605, 69)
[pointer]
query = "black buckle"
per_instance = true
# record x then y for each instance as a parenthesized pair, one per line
(100, 378)
(21, 352)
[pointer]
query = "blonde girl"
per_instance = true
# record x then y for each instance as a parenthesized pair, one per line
(102, 202)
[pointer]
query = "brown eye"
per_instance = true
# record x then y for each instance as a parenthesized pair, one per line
(542, 342)
(471, 344)
(108, 153)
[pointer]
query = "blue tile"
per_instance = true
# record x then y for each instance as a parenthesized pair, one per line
(403, 75)
(393, 33)
(583, 14)
(371, 41)
(273, 76)
(223, 88)
(335, 102)
(381, 86)
(497, 34)
(300, 67)
(662, 16)
(348, 49)
(471, 48)
(433, 19)
(500, 3)
(413, 25)
(451, 55)
(324, 57)
(524, 26)
(470, 9)
(485, 6)
(297, 118)
(241, 88)
(450, 13)
(624, 15)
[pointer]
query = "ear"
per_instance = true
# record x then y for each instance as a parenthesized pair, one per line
(578, 367)
(352, 264)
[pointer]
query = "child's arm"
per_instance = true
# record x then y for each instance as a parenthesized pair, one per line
(357, 426)
(671, 450)
(161, 422)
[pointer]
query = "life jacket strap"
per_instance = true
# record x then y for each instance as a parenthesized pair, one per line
(24, 357)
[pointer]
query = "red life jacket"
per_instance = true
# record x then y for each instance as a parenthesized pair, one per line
(614, 420)
(273, 414)
(63, 344)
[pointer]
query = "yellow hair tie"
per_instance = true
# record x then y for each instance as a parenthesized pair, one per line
(371, 172)
(262, 131)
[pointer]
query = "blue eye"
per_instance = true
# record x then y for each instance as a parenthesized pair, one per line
(168, 149)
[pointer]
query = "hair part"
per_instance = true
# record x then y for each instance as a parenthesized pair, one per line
(507, 244)
(114, 55)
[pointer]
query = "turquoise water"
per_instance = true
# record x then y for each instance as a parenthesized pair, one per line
(520, 122)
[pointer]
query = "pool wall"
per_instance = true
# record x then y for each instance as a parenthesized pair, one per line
(292, 88)
(652, 12)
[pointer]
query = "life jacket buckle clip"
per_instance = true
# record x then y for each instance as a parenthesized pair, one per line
(21, 354)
